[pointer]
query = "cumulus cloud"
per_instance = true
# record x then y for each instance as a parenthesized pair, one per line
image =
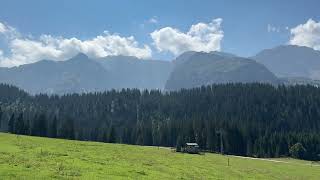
(200, 37)
(24, 50)
(307, 34)
(2, 28)
(8, 31)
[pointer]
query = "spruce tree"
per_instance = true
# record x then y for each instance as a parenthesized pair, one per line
(11, 124)
(0, 117)
(53, 128)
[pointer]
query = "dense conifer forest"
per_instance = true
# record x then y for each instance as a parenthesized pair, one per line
(254, 119)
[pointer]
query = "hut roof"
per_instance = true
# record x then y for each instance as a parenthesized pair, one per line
(192, 144)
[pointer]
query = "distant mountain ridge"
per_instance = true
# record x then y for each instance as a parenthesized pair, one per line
(194, 69)
(299, 81)
(288, 65)
(81, 74)
(74, 75)
(131, 72)
(291, 61)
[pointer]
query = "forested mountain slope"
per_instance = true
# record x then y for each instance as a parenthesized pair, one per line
(253, 119)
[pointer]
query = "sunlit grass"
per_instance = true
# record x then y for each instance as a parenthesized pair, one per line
(42, 158)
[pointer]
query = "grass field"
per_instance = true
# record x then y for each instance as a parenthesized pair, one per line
(24, 157)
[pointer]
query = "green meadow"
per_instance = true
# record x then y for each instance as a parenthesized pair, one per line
(25, 157)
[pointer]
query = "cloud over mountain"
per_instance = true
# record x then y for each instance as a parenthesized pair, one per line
(8, 32)
(2, 28)
(24, 50)
(307, 34)
(200, 37)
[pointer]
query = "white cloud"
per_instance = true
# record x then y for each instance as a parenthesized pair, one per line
(153, 20)
(200, 37)
(24, 50)
(8, 31)
(307, 34)
(273, 28)
(2, 28)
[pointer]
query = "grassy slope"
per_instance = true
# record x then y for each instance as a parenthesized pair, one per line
(37, 158)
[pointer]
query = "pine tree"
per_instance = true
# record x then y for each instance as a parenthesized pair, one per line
(0, 117)
(19, 125)
(112, 135)
(179, 144)
(53, 128)
(67, 129)
(11, 124)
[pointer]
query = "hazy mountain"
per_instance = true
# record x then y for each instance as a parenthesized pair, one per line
(79, 74)
(131, 72)
(186, 56)
(194, 69)
(190, 69)
(291, 61)
(300, 81)
(224, 54)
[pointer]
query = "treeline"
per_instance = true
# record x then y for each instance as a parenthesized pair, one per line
(243, 119)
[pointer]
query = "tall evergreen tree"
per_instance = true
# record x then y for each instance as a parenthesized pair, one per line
(19, 126)
(67, 129)
(53, 128)
(0, 118)
(11, 124)
(112, 135)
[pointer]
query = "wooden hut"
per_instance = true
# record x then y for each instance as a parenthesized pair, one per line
(192, 148)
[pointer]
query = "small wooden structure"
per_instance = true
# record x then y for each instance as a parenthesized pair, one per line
(192, 148)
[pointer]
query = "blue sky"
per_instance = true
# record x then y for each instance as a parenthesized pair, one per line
(244, 23)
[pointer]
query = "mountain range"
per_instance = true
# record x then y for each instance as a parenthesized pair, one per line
(193, 69)
(131, 72)
(80, 74)
(291, 61)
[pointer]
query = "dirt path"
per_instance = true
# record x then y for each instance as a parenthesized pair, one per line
(261, 159)
(276, 161)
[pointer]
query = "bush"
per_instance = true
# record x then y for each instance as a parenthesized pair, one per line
(297, 151)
